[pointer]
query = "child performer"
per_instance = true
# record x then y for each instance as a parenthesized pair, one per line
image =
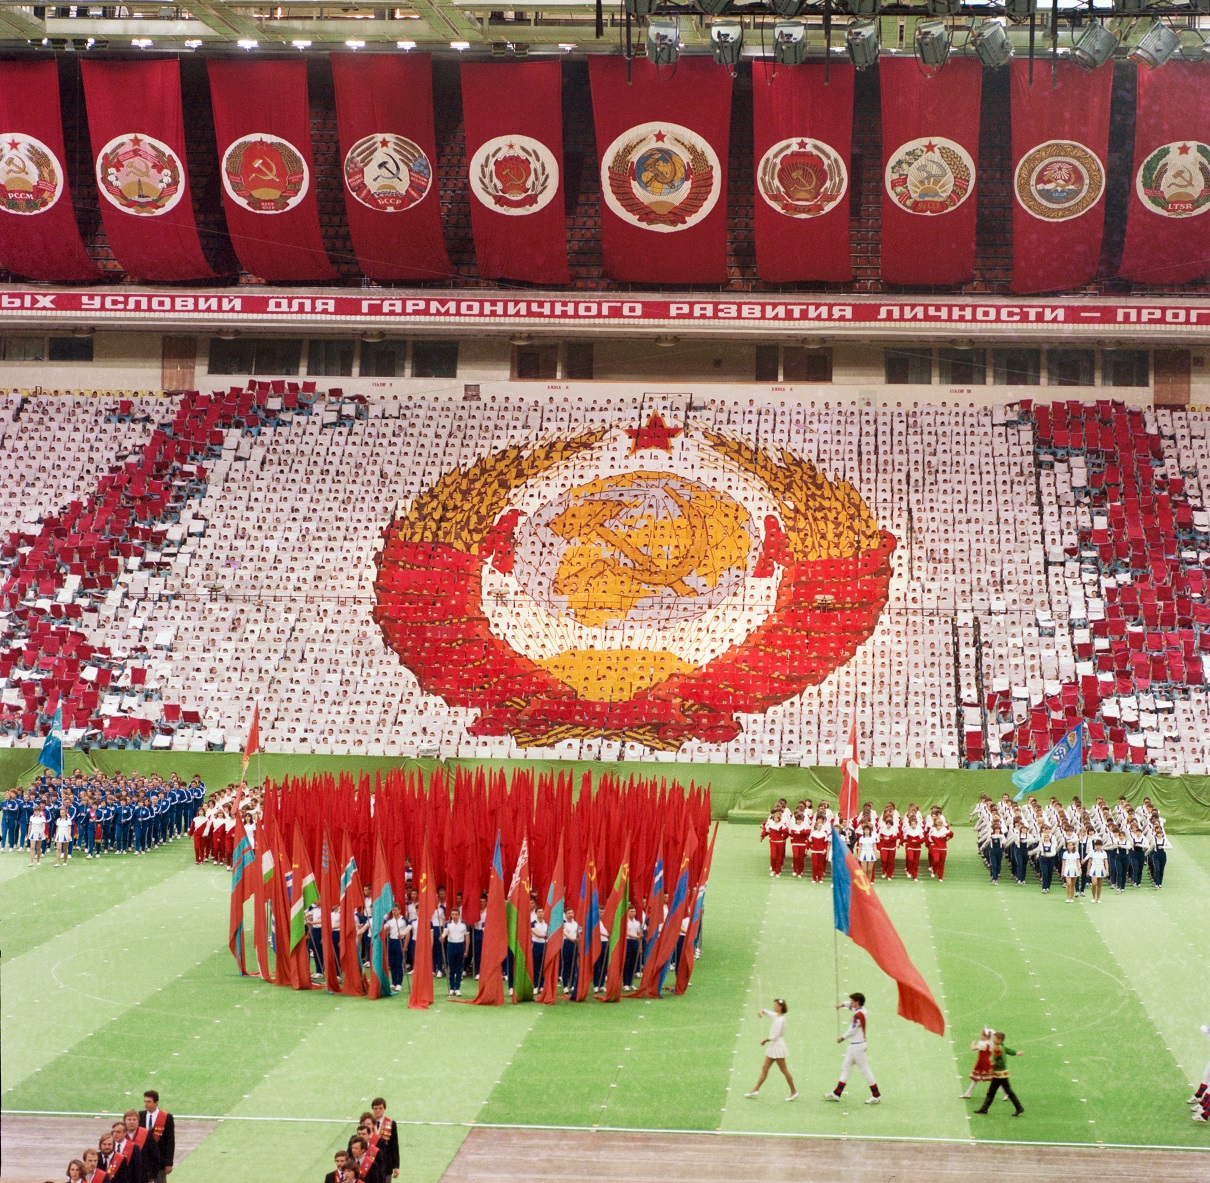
(1071, 870)
(1199, 1099)
(800, 833)
(820, 842)
(775, 1049)
(1000, 1076)
(982, 1071)
(1098, 866)
(937, 834)
(867, 851)
(913, 840)
(776, 830)
(855, 1052)
(888, 839)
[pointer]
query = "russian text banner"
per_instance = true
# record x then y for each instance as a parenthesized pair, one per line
(1167, 236)
(513, 114)
(39, 237)
(262, 125)
(802, 139)
(138, 148)
(663, 152)
(388, 152)
(930, 153)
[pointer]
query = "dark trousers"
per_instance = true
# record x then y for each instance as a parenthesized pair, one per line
(1157, 860)
(600, 971)
(336, 947)
(438, 950)
(570, 965)
(995, 856)
(316, 941)
(631, 962)
(1000, 1082)
(1136, 865)
(539, 955)
(476, 949)
(1046, 869)
(456, 955)
(395, 960)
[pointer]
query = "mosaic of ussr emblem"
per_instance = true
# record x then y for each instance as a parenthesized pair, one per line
(648, 584)
(802, 178)
(660, 176)
(140, 175)
(31, 178)
(1057, 180)
(265, 174)
(387, 172)
(1175, 180)
(514, 175)
(930, 176)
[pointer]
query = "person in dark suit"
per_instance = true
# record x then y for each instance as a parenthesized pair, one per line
(131, 1170)
(388, 1138)
(156, 1119)
(149, 1155)
(342, 1158)
(368, 1170)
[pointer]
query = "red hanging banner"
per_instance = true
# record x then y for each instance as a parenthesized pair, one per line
(802, 139)
(513, 115)
(1060, 153)
(39, 237)
(262, 124)
(930, 152)
(384, 114)
(138, 147)
(1167, 238)
(663, 145)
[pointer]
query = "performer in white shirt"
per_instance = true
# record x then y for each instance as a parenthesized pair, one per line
(775, 1049)
(569, 964)
(634, 943)
(855, 1053)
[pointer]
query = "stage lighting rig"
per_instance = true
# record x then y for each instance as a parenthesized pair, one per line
(1094, 47)
(663, 42)
(790, 43)
(932, 42)
(1156, 46)
(861, 40)
(727, 38)
(992, 44)
(786, 9)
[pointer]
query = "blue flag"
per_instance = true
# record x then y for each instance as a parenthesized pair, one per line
(1066, 758)
(842, 882)
(51, 755)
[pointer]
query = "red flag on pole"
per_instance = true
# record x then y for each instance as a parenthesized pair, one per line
(421, 996)
(329, 898)
(665, 946)
(252, 743)
(688, 958)
(283, 957)
(615, 920)
(351, 897)
(850, 774)
(243, 888)
(262, 893)
(495, 938)
(554, 931)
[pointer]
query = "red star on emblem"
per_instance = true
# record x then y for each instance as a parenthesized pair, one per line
(135, 142)
(930, 147)
(14, 144)
(384, 142)
(659, 137)
(656, 434)
(802, 143)
(1183, 149)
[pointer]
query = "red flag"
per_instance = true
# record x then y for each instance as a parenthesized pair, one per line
(1060, 153)
(930, 153)
(1166, 239)
(513, 114)
(688, 958)
(589, 913)
(850, 776)
(553, 911)
(495, 939)
(615, 920)
(381, 903)
(252, 743)
(520, 937)
(803, 138)
(421, 996)
(352, 894)
(653, 971)
(243, 888)
(266, 871)
(663, 141)
(283, 957)
(329, 898)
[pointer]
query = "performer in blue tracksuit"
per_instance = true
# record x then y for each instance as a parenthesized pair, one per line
(12, 820)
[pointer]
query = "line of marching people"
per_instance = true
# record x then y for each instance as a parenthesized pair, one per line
(1084, 846)
(875, 838)
(139, 1148)
(372, 1155)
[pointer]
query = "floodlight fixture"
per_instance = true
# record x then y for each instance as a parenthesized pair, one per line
(1094, 47)
(861, 40)
(790, 43)
(932, 43)
(992, 45)
(727, 38)
(1156, 46)
(663, 42)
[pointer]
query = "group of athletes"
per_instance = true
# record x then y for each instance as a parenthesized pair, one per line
(875, 838)
(1084, 846)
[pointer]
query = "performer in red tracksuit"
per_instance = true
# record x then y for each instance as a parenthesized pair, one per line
(912, 833)
(820, 840)
(937, 834)
(888, 839)
(777, 830)
(800, 831)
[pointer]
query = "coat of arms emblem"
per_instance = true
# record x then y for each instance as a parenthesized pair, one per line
(1174, 180)
(660, 176)
(1058, 180)
(265, 174)
(930, 175)
(140, 175)
(514, 174)
(802, 178)
(31, 178)
(387, 172)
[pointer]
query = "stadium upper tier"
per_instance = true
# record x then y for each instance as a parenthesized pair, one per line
(570, 576)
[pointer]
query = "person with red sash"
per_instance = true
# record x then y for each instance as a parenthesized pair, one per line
(820, 842)
(388, 1133)
(92, 1169)
(163, 1130)
(149, 1151)
(369, 1170)
(937, 834)
(125, 1164)
(335, 1176)
(913, 840)
(777, 830)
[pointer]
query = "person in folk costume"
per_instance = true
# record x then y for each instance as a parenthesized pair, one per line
(912, 833)
(1000, 1076)
(387, 1133)
(1200, 1100)
(981, 1073)
(777, 830)
(634, 945)
(820, 843)
(855, 1053)
(775, 1049)
(867, 851)
(888, 839)
(799, 833)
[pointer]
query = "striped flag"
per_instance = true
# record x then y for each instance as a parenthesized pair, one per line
(243, 888)
(615, 918)
(520, 940)
(303, 891)
(554, 931)
(382, 901)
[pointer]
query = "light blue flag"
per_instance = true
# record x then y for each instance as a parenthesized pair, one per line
(1066, 758)
(51, 755)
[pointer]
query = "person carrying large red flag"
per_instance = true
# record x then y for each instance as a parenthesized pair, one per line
(280, 899)
(252, 743)
(850, 778)
(303, 894)
(329, 898)
(555, 894)
(243, 888)
(657, 964)
(615, 920)
(495, 938)
(590, 931)
(859, 914)
(382, 902)
(520, 941)
(263, 893)
(351, 897)
(688, 957)
(421, 996)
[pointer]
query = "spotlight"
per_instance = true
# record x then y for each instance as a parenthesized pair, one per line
(1094, 47)
(790, 43)
(727, 37)
(932, 43)
(1020, 10)
(663, 42)
(713, 7)
(141, 42)
(192, 43)
(406, 46)
(301, 44)
(785, 8)
(460, 46)
(246, 43)
(861, 40)
(1156, 46)
(992, 44)
(356, 44)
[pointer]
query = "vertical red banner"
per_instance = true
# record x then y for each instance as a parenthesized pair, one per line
(39, 237)
(930, 154)
(513, 115)
(1060, 154)
(388, 151)
(802, 140)
(1167, 227)
(138, 147)
(663, 144)
(263, 128)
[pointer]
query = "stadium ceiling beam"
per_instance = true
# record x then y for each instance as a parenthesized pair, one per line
(18, 21)
(222, 20)
(446, 16)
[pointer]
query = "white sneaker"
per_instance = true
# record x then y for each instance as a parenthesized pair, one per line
(752, 1094)
(831, 1096)
(1194, 1100)
(1199, 1117)
(792, 1097)
(873, 1100)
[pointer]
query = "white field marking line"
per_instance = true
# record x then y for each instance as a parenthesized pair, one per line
(589, 1129)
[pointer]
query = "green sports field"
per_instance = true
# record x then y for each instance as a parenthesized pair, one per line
(116, 976)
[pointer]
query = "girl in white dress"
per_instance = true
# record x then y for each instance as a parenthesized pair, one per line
(775, 1048)
(1098, 865)
(62, 837)
(1071, 869)
(37, 835)
(867, 851)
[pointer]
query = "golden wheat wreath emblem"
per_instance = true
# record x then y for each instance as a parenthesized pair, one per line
(1058, 180)
(265, 173)
(660, 176)
(514, 174)
(31, 178)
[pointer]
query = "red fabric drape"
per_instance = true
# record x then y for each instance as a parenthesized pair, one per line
(513, 116)
(662, 143)
(930, 153)
(138, 148)
(262, 125)
(1168, 213)
(802, 140)
(39, 237)
(388, 152)
(1060, 149)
